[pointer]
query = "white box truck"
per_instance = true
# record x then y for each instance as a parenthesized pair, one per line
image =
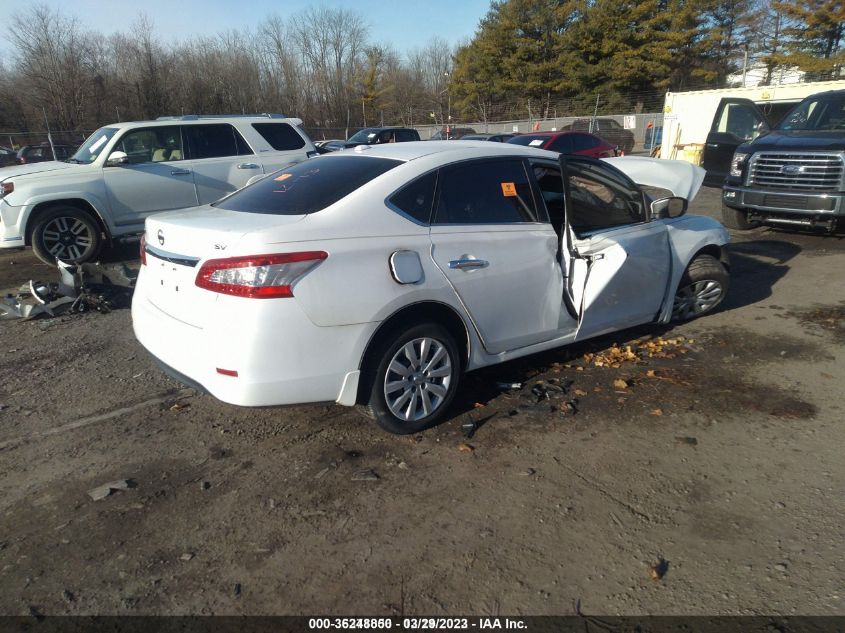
(706, 126)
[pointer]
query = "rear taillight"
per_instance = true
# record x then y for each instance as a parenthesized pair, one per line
(258, 276)
(143, 249)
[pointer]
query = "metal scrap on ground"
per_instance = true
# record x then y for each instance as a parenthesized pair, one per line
(82, 288)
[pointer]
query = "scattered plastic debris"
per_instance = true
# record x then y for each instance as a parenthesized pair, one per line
(508, 386)
(101, 492)
(466, 448)
(81, 288)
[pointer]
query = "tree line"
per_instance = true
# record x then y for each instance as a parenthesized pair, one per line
(321, 65)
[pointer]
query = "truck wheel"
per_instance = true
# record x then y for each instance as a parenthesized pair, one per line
(66, 233)
(412, 379)
(703, 287)
(736, 219)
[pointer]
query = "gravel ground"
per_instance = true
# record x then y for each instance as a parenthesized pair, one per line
(716, 460)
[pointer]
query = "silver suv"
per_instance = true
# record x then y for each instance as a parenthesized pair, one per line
(124, 172)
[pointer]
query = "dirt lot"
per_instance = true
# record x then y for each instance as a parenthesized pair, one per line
(719, 457)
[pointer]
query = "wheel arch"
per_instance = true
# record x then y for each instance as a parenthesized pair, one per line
(79, 203)
(714, 250)
(409, 315)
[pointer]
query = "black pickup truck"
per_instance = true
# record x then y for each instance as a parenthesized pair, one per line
(793, 174)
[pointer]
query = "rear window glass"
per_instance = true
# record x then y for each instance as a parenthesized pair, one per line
(281, 136)
(309, 186)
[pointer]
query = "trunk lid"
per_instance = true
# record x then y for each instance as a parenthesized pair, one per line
(178, 242)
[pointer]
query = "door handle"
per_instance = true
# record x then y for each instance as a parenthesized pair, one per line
(466, 263)
(247, 166)
(179, 172)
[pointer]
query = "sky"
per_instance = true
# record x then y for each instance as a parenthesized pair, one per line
(403, 24)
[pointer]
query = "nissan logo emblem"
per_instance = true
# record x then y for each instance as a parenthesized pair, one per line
(161, 237)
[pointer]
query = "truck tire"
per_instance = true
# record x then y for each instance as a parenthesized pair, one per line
(66, 233)
(736, 219)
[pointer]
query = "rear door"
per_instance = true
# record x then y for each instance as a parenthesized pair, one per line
(616, 260)
(498, 252)
(220, 158)
(737, 121)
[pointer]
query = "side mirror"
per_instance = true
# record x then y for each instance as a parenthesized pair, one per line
(116, 159)
(673, 207)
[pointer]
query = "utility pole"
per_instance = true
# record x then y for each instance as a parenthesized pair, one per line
(595, 114)
(744, 65)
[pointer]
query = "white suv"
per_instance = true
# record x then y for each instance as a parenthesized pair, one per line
(127, 171)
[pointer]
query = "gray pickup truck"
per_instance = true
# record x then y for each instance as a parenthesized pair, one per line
(793, 174)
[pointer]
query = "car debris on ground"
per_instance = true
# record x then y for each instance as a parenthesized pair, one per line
(101, 492)
(81, 288)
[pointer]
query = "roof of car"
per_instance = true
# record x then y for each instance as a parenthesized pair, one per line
(465, 149)
(207, 120)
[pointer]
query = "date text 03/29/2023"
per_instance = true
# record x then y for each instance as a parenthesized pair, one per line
(415, 624)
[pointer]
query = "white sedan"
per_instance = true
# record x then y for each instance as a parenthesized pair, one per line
(379, 276)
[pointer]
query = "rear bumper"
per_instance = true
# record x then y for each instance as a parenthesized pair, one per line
(279, 355)
(780, 203)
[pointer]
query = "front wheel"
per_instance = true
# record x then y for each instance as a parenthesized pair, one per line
(66, 233)
(702, 288)
(413, 379)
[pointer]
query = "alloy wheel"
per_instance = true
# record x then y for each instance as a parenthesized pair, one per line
(696, 298)
(67, 238)
(417, 379)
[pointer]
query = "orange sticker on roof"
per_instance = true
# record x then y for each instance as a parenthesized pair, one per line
(508, 189)
(282, 177)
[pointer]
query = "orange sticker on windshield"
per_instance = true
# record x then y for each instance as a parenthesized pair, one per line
(508, 189)
(283, 177)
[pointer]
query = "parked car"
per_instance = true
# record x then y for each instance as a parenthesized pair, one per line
(792, 175)
(606, 128)
(8, 157)
(378, 135)
(451, 133)
(43, 152)
(378, 276)
(496, 138)
(126, 171)
(575, 143)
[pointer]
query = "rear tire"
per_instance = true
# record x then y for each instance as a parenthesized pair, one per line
(702, 288)
(66, 233)
(411, 378)
(736, 219)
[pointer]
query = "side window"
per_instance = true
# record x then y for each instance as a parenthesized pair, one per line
(152, 145)
(406, 135)
(550, 185)
(415, 199)
(280, 136)
(600, 198)
(211, 141)
(485, 192)
(562, 144)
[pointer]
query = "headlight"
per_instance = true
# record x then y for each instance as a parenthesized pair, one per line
(6, 187)
(736, 164)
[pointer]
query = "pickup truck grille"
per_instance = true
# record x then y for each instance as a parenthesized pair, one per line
(808, 172)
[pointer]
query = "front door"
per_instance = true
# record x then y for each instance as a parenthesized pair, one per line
(496, 247)
(737, 121)
(616, 259)
(156, 178)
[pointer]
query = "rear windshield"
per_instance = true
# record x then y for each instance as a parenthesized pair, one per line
(530, 139)
(309, 186)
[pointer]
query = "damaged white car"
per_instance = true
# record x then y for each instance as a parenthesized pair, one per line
(379, 276)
